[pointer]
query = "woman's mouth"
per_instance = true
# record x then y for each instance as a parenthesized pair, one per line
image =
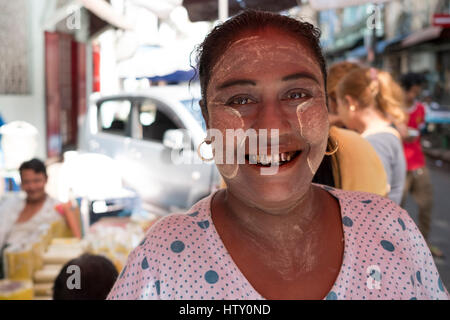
(265, 160)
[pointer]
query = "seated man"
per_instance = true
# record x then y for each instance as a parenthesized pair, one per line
(19, 216)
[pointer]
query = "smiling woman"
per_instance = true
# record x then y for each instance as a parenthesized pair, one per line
(278, 235)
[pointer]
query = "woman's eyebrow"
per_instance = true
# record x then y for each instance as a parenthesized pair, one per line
(238, 82)
(301, 75)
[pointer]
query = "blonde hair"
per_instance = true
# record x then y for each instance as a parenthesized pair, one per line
(370, 86)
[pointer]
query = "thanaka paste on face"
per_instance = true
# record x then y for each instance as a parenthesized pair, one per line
(301, 108)
(228, 170)
(257, 45)
(236, 113)
(262, 51)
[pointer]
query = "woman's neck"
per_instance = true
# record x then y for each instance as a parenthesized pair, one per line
(275, 228)
(372, 120)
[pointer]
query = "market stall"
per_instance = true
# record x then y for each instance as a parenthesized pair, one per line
(32, 266)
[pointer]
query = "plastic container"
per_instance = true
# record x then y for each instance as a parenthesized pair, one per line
(19, 143)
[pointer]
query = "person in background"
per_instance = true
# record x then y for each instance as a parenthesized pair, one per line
(367, 104)
(19, 216)
(429, 103)
(97, 275)
(418, 181)
(335, 73)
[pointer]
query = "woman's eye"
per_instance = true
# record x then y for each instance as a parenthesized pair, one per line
(240, 101)
(297, 95)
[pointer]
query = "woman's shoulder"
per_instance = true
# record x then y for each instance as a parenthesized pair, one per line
(358, 205)
(360, 198)
(152, 262)
(379, 233)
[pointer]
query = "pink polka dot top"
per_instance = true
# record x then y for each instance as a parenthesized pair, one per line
(183, 257)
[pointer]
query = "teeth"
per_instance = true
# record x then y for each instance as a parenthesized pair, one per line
(274, 159)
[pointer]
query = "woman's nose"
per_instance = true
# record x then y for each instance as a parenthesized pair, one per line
(271, 116)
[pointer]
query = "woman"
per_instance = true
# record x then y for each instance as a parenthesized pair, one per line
(369, 101)
(276, 236)
(356, 165)
(335, 73)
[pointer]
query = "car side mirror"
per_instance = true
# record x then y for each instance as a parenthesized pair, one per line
(174, 139)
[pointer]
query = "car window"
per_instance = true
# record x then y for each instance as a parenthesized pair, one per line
(114, 116)
(153, 121)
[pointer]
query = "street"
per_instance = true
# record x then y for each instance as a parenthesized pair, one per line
(440, 226)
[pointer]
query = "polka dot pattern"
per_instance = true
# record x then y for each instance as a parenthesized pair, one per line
(177, 246)
(183, 257)
(346, 221)
(211, 276)
(387, 245)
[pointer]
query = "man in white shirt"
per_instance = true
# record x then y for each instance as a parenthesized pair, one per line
(20, 216)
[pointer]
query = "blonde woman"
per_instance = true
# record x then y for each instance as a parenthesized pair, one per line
(370, 102)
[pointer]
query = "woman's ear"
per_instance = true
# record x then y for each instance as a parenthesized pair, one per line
(351, 102)
(204, 112)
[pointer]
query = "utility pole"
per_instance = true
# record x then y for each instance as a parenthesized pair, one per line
(223, 10)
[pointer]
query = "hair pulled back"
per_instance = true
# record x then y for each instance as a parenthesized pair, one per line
(372, 87)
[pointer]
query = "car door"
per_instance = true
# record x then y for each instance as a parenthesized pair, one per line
(151, 170)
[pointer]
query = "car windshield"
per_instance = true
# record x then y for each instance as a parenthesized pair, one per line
(193, 106)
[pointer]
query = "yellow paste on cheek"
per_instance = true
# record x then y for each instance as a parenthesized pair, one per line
(300, 108)
(313, 160)
(230, 171)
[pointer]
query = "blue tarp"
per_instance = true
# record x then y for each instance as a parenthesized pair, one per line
(361, 51)
(437, 117)
(177, 76)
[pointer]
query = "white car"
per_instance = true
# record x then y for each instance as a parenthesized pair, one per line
(143, 132)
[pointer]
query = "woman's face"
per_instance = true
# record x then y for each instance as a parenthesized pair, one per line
(270, 80)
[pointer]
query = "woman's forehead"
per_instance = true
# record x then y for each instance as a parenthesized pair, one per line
(265, 49)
